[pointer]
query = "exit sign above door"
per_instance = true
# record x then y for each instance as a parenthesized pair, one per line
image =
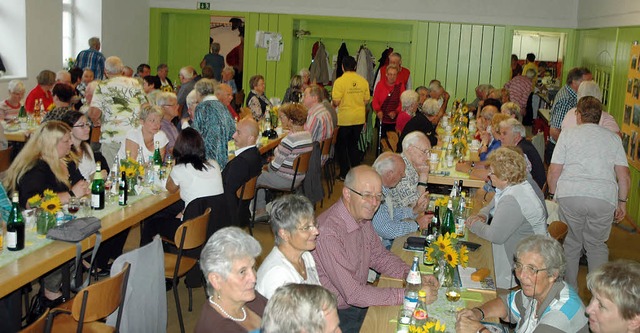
(204, 5)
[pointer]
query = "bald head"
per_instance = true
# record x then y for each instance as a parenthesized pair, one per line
(361, 185)
(246, 132)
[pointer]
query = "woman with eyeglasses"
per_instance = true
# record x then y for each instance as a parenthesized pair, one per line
(545, 303)
(80, 149)
(290, 261)
(514, 213)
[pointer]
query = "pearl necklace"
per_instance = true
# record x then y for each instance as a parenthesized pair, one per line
(244, 313)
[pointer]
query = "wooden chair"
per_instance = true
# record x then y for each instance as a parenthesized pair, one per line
(95, 134)
(5, 159)
(558, 230)
(332, 161)
(325, 148)
(92, 304)
(244, 193)
(190, 235)
(39, 325)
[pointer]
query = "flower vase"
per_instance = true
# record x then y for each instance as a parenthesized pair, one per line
(445, 273)
(131, 185)
(45, 221)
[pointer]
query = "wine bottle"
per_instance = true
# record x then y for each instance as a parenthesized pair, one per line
(157, 157)
(97, 189)
(123, 196)
(448, 225)
(435, 222)
(22, 113)
(15, 226)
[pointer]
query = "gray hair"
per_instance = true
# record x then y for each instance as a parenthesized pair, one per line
(530, 73)
(350, 178)
(304, 72)
(192, 98)
(435, 86)
(516, 126)
(94, 42)
(165, 97)
(61, 74)
(510, 108)
(386, 162)
(287, 212)
(619, 281)
(298, 308)
(148, 109)
(549, 249)
(413, 138)
(229, 69)
(16, 86)
(215, 48)
(484, 88)
(430, 107)
(488, 111)
(113, 65)
(205, 87)
(589, 88)
(161, 66)
(223, 248)
(408, 98)
(187, 72)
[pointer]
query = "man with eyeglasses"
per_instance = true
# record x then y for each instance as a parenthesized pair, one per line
(348, 246)
(411, 191)
(393, 220)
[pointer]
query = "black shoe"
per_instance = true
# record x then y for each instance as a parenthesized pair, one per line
(105, 272)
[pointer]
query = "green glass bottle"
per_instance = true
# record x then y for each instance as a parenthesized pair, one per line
(22, 113)
(15, 226)
(448, 225)
(157, 157)
(97, 189)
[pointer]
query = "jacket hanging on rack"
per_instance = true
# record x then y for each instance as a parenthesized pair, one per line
(366, 65)
(342, 53)
(384, 60)
(320, 69)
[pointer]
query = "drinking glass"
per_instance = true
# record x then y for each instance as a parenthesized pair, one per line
(74, 205)
(453, 296)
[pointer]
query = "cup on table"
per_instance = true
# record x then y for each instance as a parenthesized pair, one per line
(29, 216)
(404, 320)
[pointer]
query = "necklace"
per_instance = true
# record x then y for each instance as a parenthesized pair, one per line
(244, 313)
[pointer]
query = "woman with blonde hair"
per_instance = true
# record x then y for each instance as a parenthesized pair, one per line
(145, 135)
(514, 213)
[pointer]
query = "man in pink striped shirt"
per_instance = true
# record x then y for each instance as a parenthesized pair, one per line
(348, 246)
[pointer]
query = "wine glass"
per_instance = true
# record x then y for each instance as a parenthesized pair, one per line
(74, 206)
(453, 295)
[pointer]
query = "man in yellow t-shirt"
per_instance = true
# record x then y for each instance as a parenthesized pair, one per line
(531, 64)
(350, 96)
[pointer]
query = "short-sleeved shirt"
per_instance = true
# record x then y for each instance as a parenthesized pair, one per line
(93, 59)
(352, 90)
(197, 183)
(566, 99)
(588, 154)
(606, 120)
(276, 271)
(135, 135)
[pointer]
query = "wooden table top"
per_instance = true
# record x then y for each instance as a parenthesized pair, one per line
(30, 267)
(382, 318)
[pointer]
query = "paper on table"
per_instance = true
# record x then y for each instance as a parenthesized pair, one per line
(465, 278)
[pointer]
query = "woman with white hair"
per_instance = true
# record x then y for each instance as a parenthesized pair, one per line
(422, 122)
(306, 78)
(228, 261)
(590, 88)
(409, 102)
(192, 102)
(10, 107)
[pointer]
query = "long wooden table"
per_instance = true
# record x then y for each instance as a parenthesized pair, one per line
(30, 267)
(381, 319)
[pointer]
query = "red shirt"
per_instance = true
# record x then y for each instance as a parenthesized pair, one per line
(403, 75)
(38, 93)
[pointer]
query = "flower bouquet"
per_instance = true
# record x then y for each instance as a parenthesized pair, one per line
(48, 205)
(443, 253)
(70, 64)
(132, 170)
(431, 326)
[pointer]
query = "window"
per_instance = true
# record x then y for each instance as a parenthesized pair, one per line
(13, 43)
(68, 31)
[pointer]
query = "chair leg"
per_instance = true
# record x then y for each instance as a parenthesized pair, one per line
(190, 299)
(177, 298)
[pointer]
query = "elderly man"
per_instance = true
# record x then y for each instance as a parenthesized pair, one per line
(386, 100)
(437, 92)
(404, 75)
(92, 58)
(46, 80)
(393, 219)
(590, 177)
(162, 71)
(348, 246)
(482, 91)
(245, 165)
(224, 93)
(350, 95)
(115, 106)
(63, 76)
(520, 88)
(169, 104)
(565, 100)
(319, 122)
(411, 191)
(188, 80)
(127, 71)
(422, 122)
(514, 135)
(143, 70)
(423, 94)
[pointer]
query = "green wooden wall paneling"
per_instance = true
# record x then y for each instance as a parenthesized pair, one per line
(463, 86)
(432, 52)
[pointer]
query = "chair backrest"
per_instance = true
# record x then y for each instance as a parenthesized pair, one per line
(196, 231)
(37, 326)
(248, 189)
(326, 146)
(558, 230)
(538, 142)
(335, 135)
(96, 132)
(300, 165)
(100, 299)
(5, 159)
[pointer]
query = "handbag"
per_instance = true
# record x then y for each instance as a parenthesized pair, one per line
(75, 231)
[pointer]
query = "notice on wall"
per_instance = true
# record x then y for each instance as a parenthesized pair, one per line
(272, 41)
(631, 116)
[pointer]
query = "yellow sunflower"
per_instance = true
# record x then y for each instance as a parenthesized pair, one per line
(123, 168)
(464, 255)
(452, 257)
(443, 243)
(130, 172)
(34, 200)
(49, 193)
(429, 254)
(52, 205)
(141, 170)
(440, 327)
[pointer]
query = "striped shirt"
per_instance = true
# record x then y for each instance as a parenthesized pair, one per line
(519, 90)
(287, 151)
(92, 59)
(565, 100)
(319, 123)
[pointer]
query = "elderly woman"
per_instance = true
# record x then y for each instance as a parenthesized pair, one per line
(514, 213)
(511, 109)
(168, 102)
(409, 101)
(227, 78)
(146, 135)
(544, 303)
(162, 71)
(10, 107)
(290, 261)
(42, 165)
(492, 140)
(422, 121)
(62, 94)
(279, 172)
(301, 308)
(192, 102)
(256, 100)
(590, 88)
(294, 92)
(615, 289)
(46, 79)
(213, 121)
(306, 78)
(228, 261)
(589, 176)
